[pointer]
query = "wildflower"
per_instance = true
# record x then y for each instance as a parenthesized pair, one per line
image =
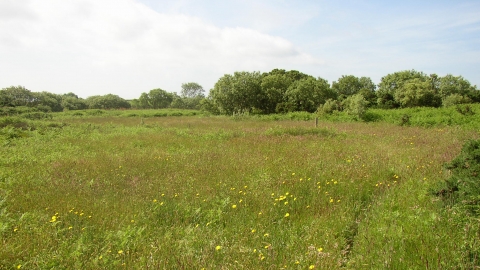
(154, 200)
(311, 266)
(70, 227)
(234, 206)
(320, 249)
(120, 251)
(287, 215)
(19, 266)
(253, 230)
(297, 262)
(217, 248)
(254, 250)
(266, 235)
(293, 174)
(331, 200)
(16, 229)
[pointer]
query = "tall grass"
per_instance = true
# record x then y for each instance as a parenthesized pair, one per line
(224, 193)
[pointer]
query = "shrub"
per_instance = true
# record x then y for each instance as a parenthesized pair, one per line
(463, 186)
(355, 105)
(330, 106)
(455, 99)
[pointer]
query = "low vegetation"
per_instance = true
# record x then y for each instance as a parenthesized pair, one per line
(163, 189)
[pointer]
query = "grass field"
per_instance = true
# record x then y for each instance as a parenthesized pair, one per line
(194, 192)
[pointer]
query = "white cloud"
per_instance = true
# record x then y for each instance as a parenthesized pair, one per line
(121, 46)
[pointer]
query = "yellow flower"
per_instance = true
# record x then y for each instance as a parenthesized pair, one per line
(217, 248)
(331, 200)
(120, 251)
(320, 249)
(287, 215)
(311, 266)
(253, 230)
(234, 206)
(19, 266)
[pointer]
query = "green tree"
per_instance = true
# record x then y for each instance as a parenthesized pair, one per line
(347, 85)
(48, 101)
(159, 98)
(456, 90)
(73, 103)
(275, 86)
(144, 101)
(417, 92)
(307, 94)
(16, 96)
(191, 90)
(389, 85)
(356, 105)
(108, 101)
(239, 93)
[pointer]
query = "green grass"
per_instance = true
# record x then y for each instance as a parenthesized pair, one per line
(114, 191)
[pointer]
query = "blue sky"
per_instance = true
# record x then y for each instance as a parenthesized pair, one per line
(126, 47)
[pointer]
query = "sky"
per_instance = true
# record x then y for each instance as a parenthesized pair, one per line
(127, 47)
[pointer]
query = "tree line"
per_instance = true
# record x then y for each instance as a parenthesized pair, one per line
(277, 91)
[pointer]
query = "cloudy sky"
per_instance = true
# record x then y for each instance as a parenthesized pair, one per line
(126, 47)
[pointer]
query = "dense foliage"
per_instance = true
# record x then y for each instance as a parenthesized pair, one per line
(277, 91)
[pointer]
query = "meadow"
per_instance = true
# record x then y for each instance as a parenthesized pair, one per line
(133, 190)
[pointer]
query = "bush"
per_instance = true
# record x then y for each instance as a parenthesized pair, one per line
(356, 105)
(330, 106)
(455, 99)
(463, 186)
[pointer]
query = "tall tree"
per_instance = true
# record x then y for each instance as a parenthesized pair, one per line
(417, 92)
(159, 98)
(191, 90)
(239, 93)
(394, 81)
(16, 96)
(347, 85)
(307, 94)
